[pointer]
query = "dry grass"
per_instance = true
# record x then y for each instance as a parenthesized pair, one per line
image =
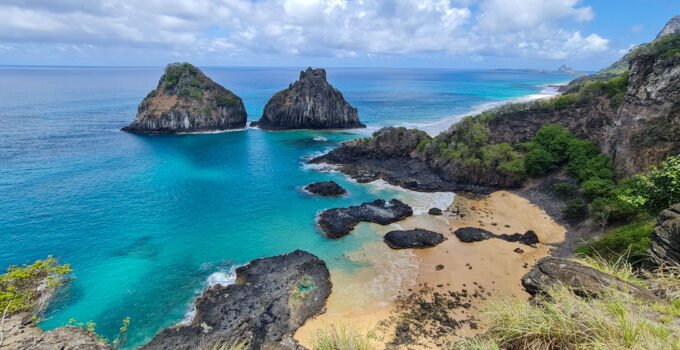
(342, 337)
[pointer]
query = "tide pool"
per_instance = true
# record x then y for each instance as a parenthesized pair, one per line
(145, 220)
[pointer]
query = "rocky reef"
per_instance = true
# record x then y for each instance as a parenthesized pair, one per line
(338, 222)
(63, 338)
(391, 155)
(271, 299)
(309, 103)
(418, 238)
(665, 240)
(325, 188)
(475, 234)
(186, 100)
(583, 280)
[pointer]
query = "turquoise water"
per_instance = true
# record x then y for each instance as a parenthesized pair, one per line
(144, 220)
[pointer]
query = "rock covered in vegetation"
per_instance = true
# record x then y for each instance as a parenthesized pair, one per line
(271, 299)
(309, 103)
(672, 27)
(418, 238)
(338, 222)
(325, 188)
(583, 280)
(391, 155)
(474, 234)
(186, 100)
(665, 240)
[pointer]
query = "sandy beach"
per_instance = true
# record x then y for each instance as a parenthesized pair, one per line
(375, 299)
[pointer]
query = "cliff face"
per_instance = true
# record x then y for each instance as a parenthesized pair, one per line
(186, 100)
(672, 27)
(309, 103)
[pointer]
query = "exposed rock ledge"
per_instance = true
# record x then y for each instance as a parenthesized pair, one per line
(339, 222)
(474, 234)
(418, 238)
(309, 103)
(665, 240)
(186, 100)
(270, 300)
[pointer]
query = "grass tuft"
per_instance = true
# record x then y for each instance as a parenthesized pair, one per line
(342, 337)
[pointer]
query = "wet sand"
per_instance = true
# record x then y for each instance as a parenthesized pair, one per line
(491, 267)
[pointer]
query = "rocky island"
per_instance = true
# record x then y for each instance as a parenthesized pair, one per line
(309, 103)
(186, 100)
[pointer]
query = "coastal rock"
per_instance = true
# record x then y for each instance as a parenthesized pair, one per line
(325, 188)
(64, 338)
(186, 100)
(417, 238)
(434, 211)
(665, 239)
(474, 234)
(390, 155)
(271, 299)
(338, 222)
(583, 280)
(309, 103)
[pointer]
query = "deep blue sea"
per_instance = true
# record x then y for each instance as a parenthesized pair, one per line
(145, 220)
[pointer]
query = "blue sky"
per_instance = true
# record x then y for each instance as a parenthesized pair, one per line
(584, 34)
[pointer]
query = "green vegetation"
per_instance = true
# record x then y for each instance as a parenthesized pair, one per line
(341, 337)
(226, 100)
(22, 287)
(303, 287)
(630, 240)
(656, 190)
(562, 320)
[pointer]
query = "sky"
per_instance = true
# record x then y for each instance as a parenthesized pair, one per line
(467, 34)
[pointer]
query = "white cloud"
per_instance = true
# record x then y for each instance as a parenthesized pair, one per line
(339, 28)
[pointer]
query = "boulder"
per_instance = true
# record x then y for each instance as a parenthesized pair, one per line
(309, 103)
(474, 234)
(665, 239)
(418, 238)
(338, 222)
(434, 211)
(186, 100)
(583, 280)
(270, 300)
(325, 188)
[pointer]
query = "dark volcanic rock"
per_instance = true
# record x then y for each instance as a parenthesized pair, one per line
(434, 211)
(309, 103)
(338, 222)
(583, 280)
(417, 238)
(474, 234)
(391, 155)
(270, 300)
(186, 100)
(325, 188)
(665, 247)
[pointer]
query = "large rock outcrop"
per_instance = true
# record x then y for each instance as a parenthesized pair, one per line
(339, 222)
(409, 239)
(672, 27)
(186, 100)
(325, 188)
(475, 234)
(583, 280)
(665, 240)
(309, 103)
(391, 155)
(270, 300)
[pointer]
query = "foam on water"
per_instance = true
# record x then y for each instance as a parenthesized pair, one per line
(421, 202)
(218, 278)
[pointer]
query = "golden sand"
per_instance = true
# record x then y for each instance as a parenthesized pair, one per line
(365, 298)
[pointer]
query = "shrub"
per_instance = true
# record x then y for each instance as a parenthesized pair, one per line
(657, 190)
(539, 161)
(554, 139)
(631, 240)
(575, 209)
(20, 286)
(565, 189)
(597, 187)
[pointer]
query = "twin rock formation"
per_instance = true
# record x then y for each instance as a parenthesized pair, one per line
(186, 100)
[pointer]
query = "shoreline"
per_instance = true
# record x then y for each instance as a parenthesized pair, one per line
(490, 268)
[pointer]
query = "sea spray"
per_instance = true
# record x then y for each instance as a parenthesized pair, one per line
(222, 277)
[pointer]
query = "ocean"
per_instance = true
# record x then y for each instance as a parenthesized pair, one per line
(146, 222)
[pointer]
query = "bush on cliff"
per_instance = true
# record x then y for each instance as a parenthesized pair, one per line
(23, 287)
(630, 240)
(657, 189)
